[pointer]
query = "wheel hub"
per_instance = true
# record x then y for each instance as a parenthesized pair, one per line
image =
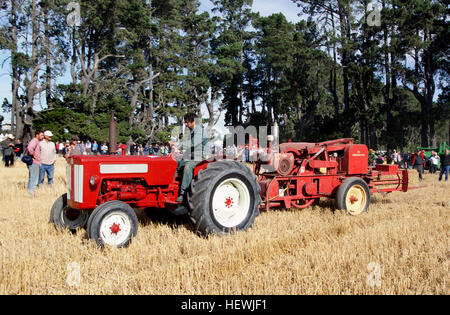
(115, 228)
(231, 203)
(356, 200)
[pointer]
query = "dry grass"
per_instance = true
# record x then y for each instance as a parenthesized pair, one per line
(314, 251)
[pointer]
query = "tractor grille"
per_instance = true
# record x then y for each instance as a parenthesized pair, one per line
(78, 183)
(69, 180)
(75, 184)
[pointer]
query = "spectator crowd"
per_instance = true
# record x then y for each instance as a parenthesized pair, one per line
(417, 160)
(41, 153)
(95, 148)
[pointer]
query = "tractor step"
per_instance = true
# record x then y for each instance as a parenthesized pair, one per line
(181, 210)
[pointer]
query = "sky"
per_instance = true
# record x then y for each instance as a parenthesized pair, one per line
(264, 7)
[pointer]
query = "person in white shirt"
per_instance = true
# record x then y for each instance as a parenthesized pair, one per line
(61, 148)
(434, 161)
(88, 147)
(104, 148)
(48, 158)
(397, 157)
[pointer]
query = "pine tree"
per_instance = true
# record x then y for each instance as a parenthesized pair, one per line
(198, 61)
(228, 49)
(424, 27)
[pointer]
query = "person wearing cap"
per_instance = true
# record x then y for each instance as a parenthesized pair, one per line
(75, 148)
(48, 158)
(8, 150)
(34, 149)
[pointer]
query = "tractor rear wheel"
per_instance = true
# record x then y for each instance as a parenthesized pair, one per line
(224, 197)
(113, 223)
(63, 216)
(353, 195)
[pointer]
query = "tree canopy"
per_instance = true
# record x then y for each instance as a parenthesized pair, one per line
(377, 71)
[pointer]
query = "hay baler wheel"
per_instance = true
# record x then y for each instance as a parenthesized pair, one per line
(353, 195)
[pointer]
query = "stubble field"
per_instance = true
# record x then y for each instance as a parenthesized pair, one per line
(400, 246)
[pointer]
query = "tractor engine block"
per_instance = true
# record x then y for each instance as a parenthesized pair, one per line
(124, 190)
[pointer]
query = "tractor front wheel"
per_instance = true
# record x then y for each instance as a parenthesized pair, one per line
(63, 216)
(225, 197)
(353, 195)
(113, 223)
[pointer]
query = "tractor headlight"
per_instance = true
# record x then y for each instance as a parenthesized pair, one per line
(93, 180)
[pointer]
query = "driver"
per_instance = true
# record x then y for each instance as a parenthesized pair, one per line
(193, 148)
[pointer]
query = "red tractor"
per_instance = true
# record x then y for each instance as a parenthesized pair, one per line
(225, 195)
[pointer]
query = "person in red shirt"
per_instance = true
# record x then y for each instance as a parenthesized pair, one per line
(122, 149)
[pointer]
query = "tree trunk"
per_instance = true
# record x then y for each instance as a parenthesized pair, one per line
(148, 113)
(387, 78)
(423, 104)
(429, 88)
(15, 106)
(345, 33)
(373, 137)
(333, 69)
(210, 108)
(73, 63)
(48, 74)
(32, 88)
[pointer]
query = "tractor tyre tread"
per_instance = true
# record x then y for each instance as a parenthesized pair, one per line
(56, 215)
(201, 194)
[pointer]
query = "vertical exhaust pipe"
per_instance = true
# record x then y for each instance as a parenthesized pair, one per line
(112, 135)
